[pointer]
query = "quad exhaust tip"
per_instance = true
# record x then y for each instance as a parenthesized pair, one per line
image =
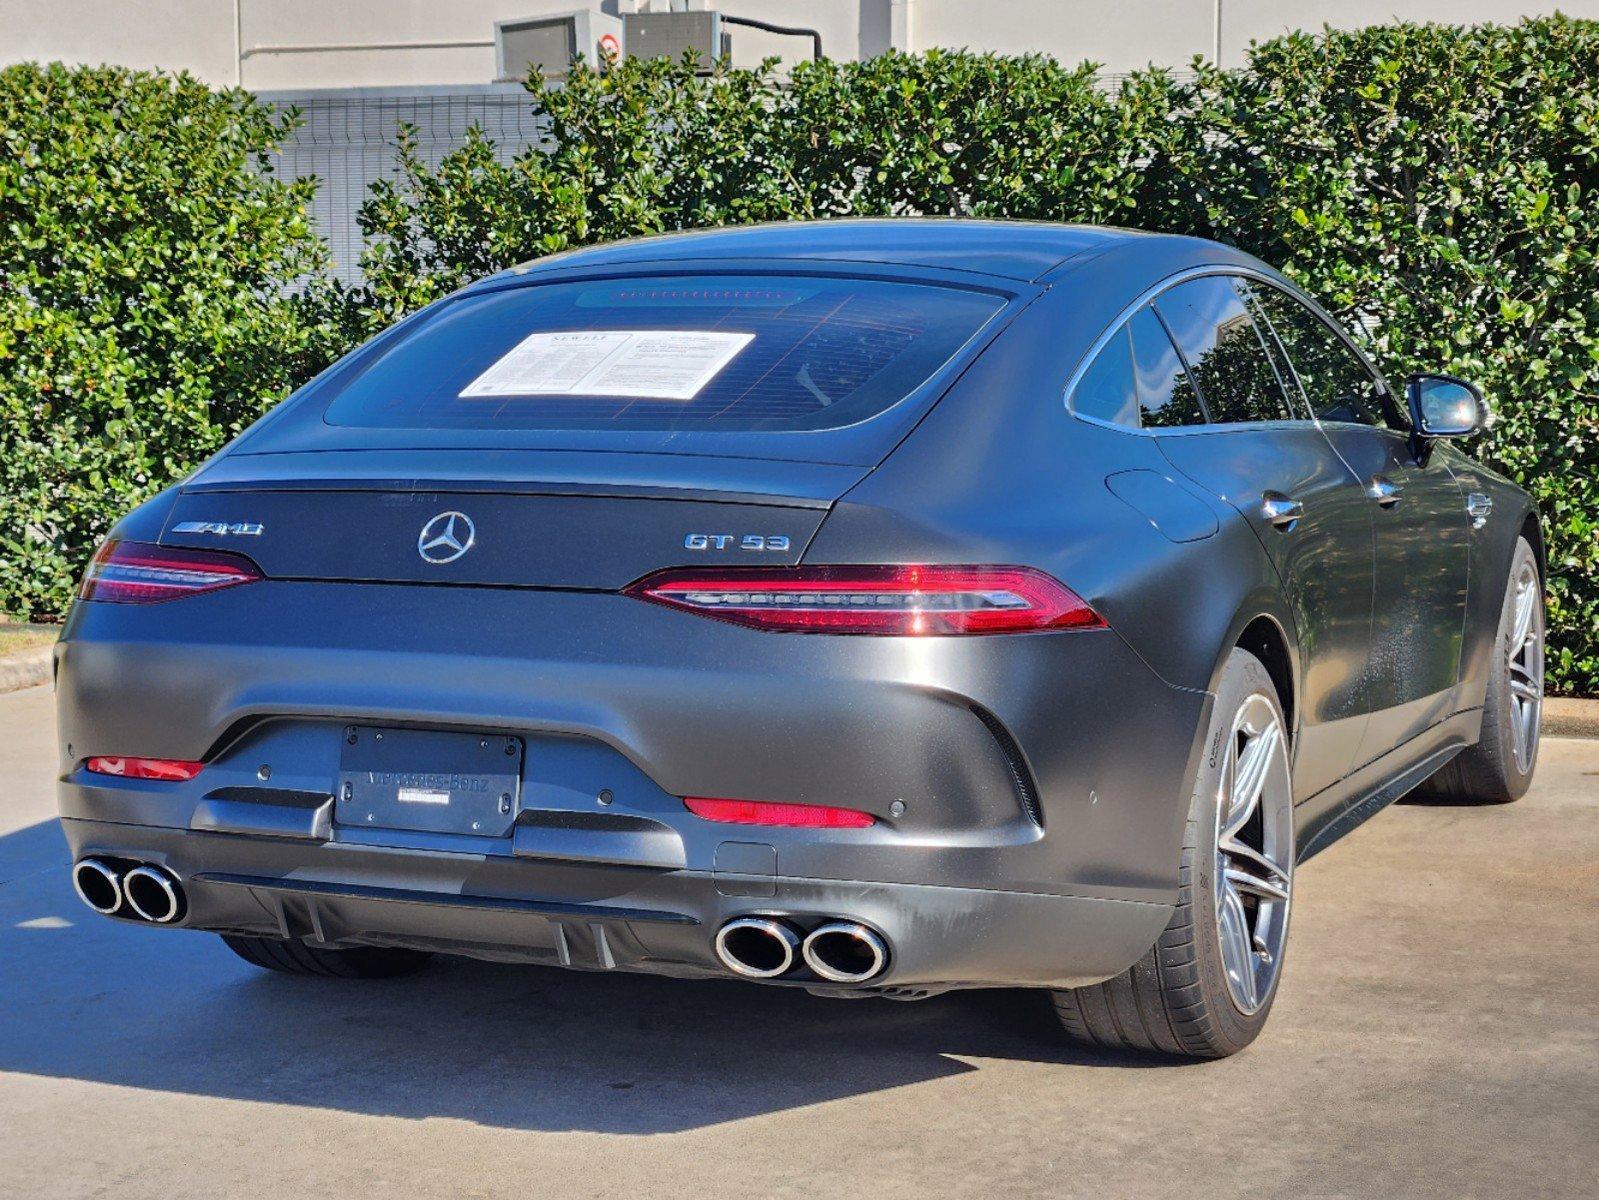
(757, 947)
(845, 952)
(143, 892)
(153, 894)
(837, 951)
(98, 885)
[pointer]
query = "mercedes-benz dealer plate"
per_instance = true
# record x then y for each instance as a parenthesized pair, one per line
(427, 780)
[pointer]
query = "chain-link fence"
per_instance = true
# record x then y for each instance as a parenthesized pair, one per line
(347, 139)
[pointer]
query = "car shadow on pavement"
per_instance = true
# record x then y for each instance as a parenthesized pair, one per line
(31, 850)
(512, 1046)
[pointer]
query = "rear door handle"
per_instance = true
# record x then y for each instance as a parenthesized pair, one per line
(1384, 491)
(1282, 511)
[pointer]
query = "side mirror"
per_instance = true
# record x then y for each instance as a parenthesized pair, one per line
(1442, 406)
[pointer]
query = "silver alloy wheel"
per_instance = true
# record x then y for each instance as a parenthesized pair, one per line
(1254, 874)
(1524, 654)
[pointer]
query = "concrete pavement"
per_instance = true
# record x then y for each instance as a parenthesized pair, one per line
(1437, 1035)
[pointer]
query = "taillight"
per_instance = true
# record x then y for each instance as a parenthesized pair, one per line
(174, 770)
(762, 812)
(881, 600)
(138, 573)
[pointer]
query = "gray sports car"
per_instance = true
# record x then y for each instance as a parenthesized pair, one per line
(883, 606)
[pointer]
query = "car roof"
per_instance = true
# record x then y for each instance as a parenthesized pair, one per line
(1018, 250)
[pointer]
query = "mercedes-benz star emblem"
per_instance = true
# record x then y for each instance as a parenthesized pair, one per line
(446, 537)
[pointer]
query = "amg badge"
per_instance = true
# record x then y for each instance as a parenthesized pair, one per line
(221, 528)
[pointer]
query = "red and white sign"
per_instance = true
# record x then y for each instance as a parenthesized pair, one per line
(610, 47)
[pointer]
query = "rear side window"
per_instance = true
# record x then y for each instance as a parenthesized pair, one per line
(1165, 394)
(1137, 379)
(1226, 357)
(1108, 390)
(1251, 292)
(1336, 383)
(723, 353)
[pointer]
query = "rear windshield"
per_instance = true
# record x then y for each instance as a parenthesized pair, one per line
(685, 352)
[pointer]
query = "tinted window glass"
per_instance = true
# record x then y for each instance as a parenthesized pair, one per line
(1274, 350)
(723, 353)
(1211, 326)
(1337, 385)
(1107, 390)
(1165, 395)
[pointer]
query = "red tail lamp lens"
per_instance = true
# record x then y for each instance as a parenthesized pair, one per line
(756, 812)
(173, 770)
(138, 573)
(905, 601)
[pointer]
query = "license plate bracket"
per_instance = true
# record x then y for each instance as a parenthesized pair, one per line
(429, 781)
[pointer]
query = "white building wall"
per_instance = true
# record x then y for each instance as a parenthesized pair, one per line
(1243, 21)
(273, 45)
(180, 35)
(1121, 36)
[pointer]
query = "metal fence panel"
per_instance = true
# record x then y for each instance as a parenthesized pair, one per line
(347, 140)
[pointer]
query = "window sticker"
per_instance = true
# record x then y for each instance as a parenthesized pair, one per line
(654, 364)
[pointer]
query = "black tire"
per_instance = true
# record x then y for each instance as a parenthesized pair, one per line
(1488, 772)
(1175, 1000)
(297, 958)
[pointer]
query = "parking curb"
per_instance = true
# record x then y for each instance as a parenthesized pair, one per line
(1565, 716)
(25, 670)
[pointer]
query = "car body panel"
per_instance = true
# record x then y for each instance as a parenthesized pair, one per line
(606, 918)
(1418, 620)
(1492, 543)
(1024, 251)
(689, 702)
(1324, 562)
(566, 541)
(540, 472)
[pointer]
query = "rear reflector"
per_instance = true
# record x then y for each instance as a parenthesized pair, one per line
(881, 600)
(172, 769)
(138, 573)
(757, 812)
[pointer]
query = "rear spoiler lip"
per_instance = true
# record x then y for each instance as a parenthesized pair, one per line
(502, 488)
(783, 482)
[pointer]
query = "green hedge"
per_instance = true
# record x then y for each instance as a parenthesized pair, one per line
(1435, 186)
(142, 318)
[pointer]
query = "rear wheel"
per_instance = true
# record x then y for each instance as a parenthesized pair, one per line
(297, 958)
(1499, 767)
(1204, 989)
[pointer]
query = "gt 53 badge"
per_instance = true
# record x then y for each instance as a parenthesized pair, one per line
(735, 541)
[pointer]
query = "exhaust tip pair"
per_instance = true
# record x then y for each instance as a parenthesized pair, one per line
(146, 892)
(837, 951)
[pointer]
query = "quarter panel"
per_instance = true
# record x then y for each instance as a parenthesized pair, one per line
(999, 472)
(1323, 570)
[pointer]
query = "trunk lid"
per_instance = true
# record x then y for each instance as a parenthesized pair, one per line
(558, 519)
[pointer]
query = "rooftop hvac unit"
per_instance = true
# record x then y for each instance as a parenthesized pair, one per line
(548, 44)
(670, 34)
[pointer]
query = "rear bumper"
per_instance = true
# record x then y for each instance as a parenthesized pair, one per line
(1030, 791)
(614, 918)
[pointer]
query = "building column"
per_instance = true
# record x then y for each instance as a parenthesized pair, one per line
(901, 25)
